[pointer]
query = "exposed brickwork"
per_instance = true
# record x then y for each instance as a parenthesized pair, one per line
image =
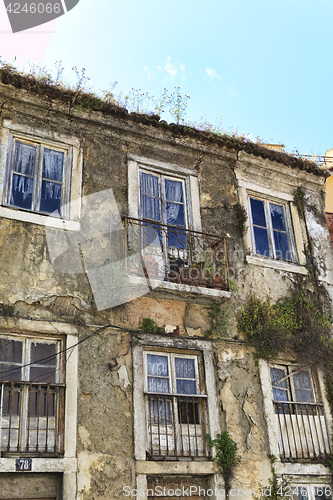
(329, 218)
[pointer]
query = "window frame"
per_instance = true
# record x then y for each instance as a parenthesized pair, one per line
(162, 197)
(289, 370)
(171, 355)
(152, 343)
(31, 405)
(26, 363)
(136, 163)
(40, 145)
(270, 231)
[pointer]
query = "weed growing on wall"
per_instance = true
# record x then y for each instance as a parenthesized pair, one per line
(148, 325)
(241, 218)
(226, 457)
(294, 325)
(299, 201)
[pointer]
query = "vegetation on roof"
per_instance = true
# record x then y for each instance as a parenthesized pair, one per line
(43, 83)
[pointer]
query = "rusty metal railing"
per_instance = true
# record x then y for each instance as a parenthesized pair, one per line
(32, 418)
(302, 430)
(176, 426)
(176, 254)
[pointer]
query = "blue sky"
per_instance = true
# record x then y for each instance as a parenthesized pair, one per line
(262, 66)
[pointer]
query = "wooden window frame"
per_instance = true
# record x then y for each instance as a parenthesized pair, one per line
(40, 145)
(270, 232)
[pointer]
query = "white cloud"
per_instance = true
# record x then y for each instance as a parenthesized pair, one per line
(172, 69)
(212, 74)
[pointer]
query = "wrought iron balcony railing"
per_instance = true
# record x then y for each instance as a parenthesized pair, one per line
(176, 254)
(176, 426)
(32, 418)
(302, 430)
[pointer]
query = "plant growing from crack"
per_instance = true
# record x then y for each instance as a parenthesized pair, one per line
(148, 325)
(299, 201)
(226, 457)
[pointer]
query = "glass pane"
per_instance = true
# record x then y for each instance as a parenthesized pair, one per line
(151, 234)
(53, 163)
(41, 402)
(282, 249)
(280, 389)
(157, 365)
(302, 380)
(185, 368)
(149, 185)
(150, 208)
(42, 374)
(40, 351)
(277, 216)
(176, 239)
(156, 384)
(188, 411)
(278, 374)
(11, 401)
(303, 389)
(261, 241)
(24, 158)
(174, 191)
(160, 411)
(186, 386)
(258, 212)
(280, 394)
(11, 350)
(21, 195)
(175, 214)
(50, 200)
(10, 372)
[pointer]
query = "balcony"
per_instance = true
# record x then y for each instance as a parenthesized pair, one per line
(302, 430)
(32, 419)
(176, 427)
(176, 255)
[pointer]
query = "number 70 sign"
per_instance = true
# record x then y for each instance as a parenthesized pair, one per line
(25, 14)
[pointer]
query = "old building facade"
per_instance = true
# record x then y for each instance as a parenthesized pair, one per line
(122, 239)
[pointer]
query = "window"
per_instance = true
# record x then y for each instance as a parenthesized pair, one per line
(38, 176)
(162, 199)
(299, 414)
(175, 405)
(292, 384)
(271, 229)
(32, 396)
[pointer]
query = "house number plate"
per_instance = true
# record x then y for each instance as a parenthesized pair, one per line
(23, 464)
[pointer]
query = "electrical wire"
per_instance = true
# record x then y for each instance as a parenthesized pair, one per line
(53, 356)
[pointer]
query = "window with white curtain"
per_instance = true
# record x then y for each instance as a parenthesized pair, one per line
(177, 375)
(38, 176)
(162, 199)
